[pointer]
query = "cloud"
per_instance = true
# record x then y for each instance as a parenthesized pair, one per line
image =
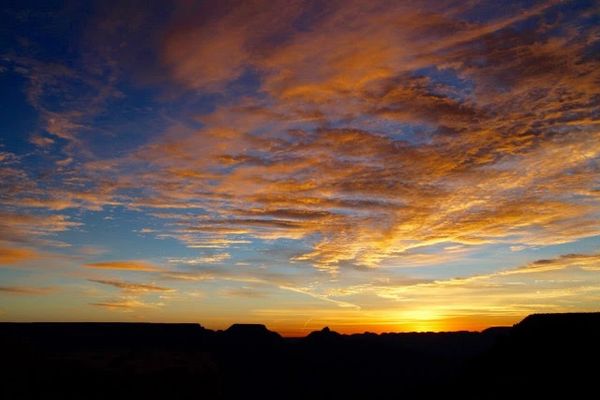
(375, 132)
(213, 44)
(400, 130)
(125, 265)
(588, 262)
(132, 287)
(245, 292)
(209, 259)
(562, 284)
(26, 290)
(25, 237)
(383, 197)
(41, 141)
(559, 284)
(20, 227)
(120, 304)
(15, 255)
(66, 119)
(232, 273)
(24, 234)
(92, 250)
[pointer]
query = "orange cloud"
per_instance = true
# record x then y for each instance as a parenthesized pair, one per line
(381, 129)
(372, 197)
(16, 255)
(28, 227)
(129, 265)
(121, 304)
(214, 43)
(131, 287)
(482, 171)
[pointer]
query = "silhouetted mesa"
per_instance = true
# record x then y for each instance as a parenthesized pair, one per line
(100, 334)
(251, 333)
(324, 334)
(543, 355)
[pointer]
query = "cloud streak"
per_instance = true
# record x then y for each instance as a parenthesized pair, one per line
(120, 304)
(26, 290)
(130, 286)
(125, 265)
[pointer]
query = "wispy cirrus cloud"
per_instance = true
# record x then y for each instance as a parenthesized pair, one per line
(559, 284)
(26, 290)
(432, 147)
(562, 284)
(21, 227)
(209, 259)
(367, 151)
(125, 265)
(131, 286)
(121, 304)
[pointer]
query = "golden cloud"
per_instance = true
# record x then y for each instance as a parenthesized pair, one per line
(381, 129)
(482, 170)
(130, 286)
(126, 265)
(16, 255)
(121, 304)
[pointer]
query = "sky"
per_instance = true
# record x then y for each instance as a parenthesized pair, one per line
(368, 166)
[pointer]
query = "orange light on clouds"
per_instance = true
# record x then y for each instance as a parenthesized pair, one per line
(381, 166)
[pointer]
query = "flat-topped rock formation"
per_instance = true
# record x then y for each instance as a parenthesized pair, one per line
(543, 355)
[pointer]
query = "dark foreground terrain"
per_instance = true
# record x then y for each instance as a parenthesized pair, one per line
(544, 356)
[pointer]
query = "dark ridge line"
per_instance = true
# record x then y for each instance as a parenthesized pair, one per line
(530, 319)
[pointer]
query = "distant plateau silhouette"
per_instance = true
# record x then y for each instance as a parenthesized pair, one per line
(543, 356)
